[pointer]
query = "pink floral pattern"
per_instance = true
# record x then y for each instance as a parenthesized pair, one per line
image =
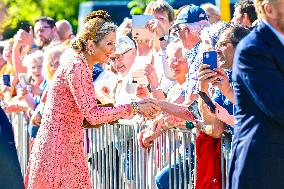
(57, 159)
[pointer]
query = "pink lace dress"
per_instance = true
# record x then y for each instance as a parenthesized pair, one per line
(57, 159)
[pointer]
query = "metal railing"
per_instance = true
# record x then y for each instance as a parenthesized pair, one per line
(20, 128)
(116, 161)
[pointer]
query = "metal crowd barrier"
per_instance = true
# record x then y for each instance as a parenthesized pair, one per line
(116, 161)
(20, 128)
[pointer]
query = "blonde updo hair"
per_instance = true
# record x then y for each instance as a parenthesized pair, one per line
(96, 26)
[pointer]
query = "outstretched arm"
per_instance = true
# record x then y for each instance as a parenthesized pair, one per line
(81, 85)
(83, 91)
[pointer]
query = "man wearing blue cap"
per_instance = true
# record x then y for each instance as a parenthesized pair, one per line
(188, 25)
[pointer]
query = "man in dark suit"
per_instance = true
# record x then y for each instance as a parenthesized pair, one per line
(257, 160)
(10, 172)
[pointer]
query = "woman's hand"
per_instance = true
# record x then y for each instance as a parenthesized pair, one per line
(155, 26)
(222, 114)
(24, 38)
(149, 108)
(173, 121)
(205, 76)
(151, 75)
(21, 92)
(158, 124)
(222, 81)
(147, 137)
(144, 48)
(142, 92)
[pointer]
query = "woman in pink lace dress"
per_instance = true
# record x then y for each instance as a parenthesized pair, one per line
(57, 159)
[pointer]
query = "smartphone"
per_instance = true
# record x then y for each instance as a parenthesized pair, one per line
(23, 80)
(210, 58)
(208, 101)
(7, 80)
(139, 31)
(25, 26)
(193, 108)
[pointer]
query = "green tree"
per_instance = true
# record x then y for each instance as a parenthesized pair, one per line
(138, 6)
(30, 10)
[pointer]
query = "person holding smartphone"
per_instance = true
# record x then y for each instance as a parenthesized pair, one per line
(215, 119)
(221, 76)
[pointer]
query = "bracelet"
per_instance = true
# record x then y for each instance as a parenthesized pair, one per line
(135, 108)
(189, 125)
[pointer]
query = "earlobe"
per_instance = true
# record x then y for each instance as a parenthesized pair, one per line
(90, 46)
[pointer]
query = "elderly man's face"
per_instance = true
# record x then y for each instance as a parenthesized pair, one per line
(186, 36)
(123, 62)
(225, 50)
(177, 62)
(189, 33)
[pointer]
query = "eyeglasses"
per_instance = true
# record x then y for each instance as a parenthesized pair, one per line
(223, 44)
(176, 60)
(118, 56)
(43, 28)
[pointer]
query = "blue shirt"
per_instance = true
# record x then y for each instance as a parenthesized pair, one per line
(194, 59)
(223, 100)
(97, 70)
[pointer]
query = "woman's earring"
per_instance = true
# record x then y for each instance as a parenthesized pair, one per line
(91, 51)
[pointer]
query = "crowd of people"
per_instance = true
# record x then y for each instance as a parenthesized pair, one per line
(65, 82)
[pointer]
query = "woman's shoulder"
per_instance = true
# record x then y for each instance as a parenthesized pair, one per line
(71, 58)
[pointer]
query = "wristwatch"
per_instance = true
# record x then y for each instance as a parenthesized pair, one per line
(164, 38)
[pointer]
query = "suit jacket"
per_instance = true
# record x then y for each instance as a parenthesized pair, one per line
(258, 149)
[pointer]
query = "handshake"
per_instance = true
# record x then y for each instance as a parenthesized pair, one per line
(147, 107)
